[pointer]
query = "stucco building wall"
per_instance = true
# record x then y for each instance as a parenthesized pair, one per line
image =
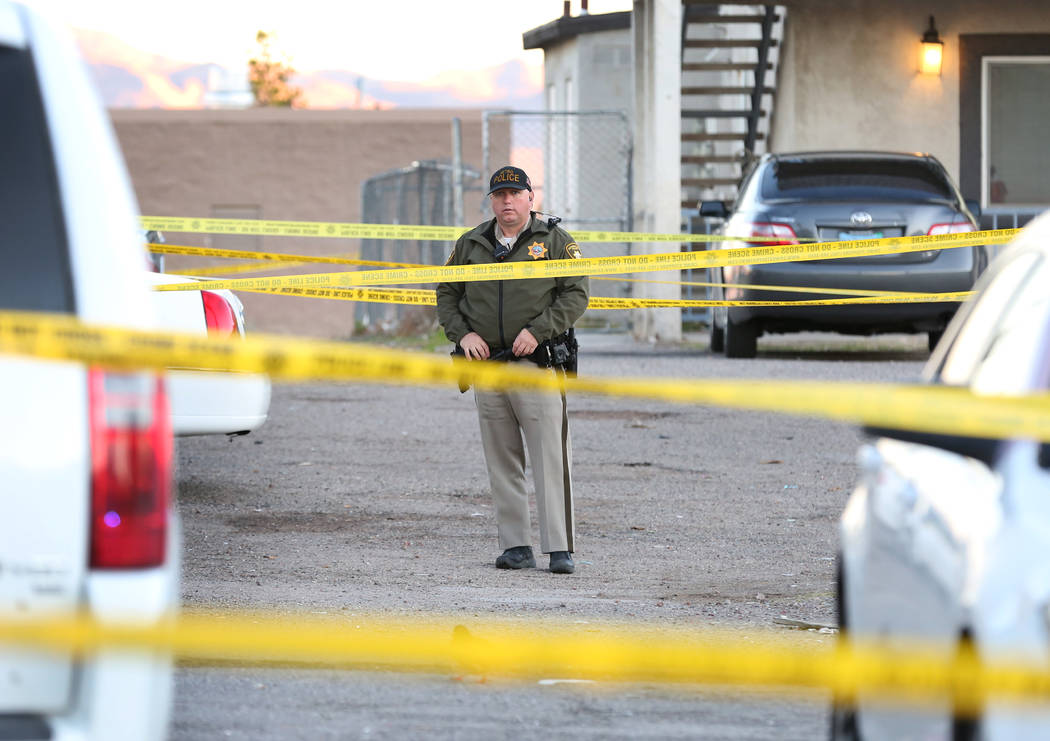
(601, 61)
(849, 76)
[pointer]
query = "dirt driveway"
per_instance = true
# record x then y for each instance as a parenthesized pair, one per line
(356, 498)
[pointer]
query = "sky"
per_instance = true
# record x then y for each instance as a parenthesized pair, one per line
(397, 40)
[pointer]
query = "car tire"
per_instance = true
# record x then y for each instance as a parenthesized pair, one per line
(718, 337)
(932, 338)
(741, 339)
(843, 723)
(982, 260)
(966, 724)
(716, 293)
(843, 711)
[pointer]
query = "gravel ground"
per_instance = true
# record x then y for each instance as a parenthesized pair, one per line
(360, 498)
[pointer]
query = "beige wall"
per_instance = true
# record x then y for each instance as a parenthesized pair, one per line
(849, 76)
(295, 165)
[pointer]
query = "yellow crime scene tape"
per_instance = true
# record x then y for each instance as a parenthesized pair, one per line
(757, 286)
(599, 302)
(620, 657)
(267, 260)
(502, 649)
(612, 655)
(224, 271)
(269, 228)
(925, 408)
(348, 230)
(424, 297)
(608, 265)
(408, 296)
(177, 249)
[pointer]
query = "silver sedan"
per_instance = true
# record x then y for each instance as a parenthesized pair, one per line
(842, 196)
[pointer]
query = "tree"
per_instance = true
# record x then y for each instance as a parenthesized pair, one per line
(269, 78)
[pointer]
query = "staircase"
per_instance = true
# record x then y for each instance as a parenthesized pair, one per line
(729, 64)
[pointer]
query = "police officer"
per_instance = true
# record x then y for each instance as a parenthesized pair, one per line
(516, 320)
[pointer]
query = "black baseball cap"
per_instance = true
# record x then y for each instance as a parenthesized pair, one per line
(509, 177)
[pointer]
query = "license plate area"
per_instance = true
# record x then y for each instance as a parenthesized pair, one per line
(855, 235)
(843, 233)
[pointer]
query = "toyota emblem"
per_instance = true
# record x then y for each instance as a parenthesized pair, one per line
(860, 218)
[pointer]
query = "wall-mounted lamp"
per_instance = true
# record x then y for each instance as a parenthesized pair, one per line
(932, 51)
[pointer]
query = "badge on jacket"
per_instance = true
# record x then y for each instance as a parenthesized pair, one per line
(574, 250)
(537, 250)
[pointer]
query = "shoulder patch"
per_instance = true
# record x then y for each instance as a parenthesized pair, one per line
(451, 255)
(574, 250)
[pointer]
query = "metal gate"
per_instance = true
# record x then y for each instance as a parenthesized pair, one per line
(419, 194)
(580, 166)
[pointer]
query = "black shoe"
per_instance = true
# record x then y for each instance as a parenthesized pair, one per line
(519, 557)
(561, 563)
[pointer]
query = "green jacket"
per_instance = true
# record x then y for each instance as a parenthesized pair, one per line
(499, 309)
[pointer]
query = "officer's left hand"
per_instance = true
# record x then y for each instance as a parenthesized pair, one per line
(524, 344)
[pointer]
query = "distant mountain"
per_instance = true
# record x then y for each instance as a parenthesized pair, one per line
(504, 86)
(131, 78)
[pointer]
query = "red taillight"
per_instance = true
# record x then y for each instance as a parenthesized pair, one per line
(131, 469)
(777, 233)
(959, 228)
(218, 314)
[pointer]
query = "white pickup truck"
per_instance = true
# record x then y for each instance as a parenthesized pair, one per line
(87, 516)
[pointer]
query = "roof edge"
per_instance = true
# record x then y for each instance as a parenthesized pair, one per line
(567, 27)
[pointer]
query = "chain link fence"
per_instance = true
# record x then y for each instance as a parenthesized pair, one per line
(693, 316)
(579, 163)
(422, 193)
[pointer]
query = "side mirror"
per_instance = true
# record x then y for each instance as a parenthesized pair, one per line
(975, 207)
(714, 210)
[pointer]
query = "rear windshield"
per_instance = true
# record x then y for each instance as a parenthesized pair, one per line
(34, 261)
(866, 180)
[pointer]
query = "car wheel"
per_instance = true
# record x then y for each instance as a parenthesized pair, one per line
(932, 338)
(843, 710)
(843, 723)
(741, 339)
(966, 721)
(965, 729)
(982, 260)
(717, 293)
(718, 337)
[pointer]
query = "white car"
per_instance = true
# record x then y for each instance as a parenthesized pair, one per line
(87, 517)
(946, 539)
(205, 402)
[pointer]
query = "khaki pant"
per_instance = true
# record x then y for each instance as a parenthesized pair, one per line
(504, 416)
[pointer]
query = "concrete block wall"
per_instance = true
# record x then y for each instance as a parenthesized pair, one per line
(282, 164)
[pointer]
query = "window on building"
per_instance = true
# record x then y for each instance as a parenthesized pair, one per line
(612, 55)
(1015, 96)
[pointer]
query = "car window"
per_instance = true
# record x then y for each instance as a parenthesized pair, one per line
(992, 314)
(1012, 363)
(33, 249)
(748, 181)
(866, 180)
